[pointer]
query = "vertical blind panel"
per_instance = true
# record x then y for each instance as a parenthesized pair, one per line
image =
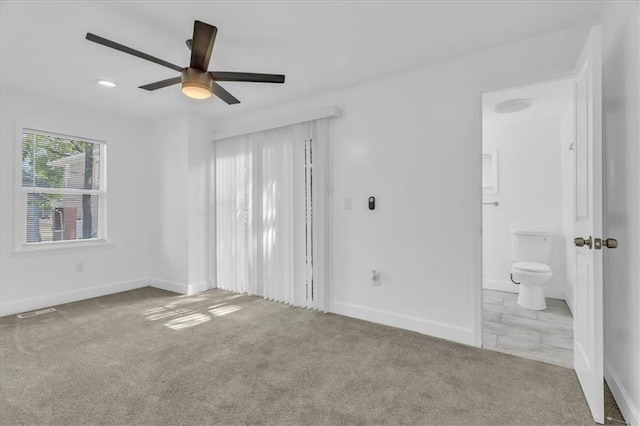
(320, 213)
(278, 201)
(301, 290)
(231, 212)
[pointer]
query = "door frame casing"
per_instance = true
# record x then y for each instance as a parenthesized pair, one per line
(477, 242)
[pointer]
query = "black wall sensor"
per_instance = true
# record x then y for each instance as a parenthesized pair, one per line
(372, 203)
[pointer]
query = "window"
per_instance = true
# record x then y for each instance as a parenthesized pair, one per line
(63, 190)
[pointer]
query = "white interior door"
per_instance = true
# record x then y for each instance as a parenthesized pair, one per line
(588, 321)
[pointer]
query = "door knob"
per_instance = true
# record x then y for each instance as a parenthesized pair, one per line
(580, 242)
(610, 243)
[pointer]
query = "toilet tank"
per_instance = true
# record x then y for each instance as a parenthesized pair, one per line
(531, 245)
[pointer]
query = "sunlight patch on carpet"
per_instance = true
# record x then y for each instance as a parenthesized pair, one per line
(221, 311)
(160, 313)
(187, 321)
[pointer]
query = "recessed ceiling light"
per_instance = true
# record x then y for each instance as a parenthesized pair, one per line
(106, 83)
(512, 105)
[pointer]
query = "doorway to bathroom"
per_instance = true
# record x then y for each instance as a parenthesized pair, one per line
(528, 173)
(553, 263)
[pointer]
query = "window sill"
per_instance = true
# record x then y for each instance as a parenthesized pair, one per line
(60, 247)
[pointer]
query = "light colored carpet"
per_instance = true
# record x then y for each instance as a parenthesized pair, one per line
(150, 357)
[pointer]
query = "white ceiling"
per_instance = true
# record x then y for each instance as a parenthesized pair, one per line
(320, 46)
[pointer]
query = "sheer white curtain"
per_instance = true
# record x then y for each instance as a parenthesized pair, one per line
(271, 214)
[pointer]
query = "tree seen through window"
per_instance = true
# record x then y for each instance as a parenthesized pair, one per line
(62, 178)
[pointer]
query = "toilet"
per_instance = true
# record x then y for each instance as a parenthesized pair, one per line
(530, 269)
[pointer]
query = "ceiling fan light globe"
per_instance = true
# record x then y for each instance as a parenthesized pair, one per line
(196, 84)
(196, 90)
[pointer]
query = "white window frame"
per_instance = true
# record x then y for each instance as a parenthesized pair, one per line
(21, 246)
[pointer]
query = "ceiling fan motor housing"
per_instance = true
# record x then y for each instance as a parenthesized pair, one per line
(196, 83)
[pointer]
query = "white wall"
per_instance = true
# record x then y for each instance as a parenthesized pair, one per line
(180, 231)
(169, 200)
(621, 98)
(33, 281)
(529, 194)
(201, 262)
(414, 142)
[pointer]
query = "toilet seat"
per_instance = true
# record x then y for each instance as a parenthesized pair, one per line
(532, 267)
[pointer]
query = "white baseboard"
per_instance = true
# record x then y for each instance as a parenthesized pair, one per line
(554, 293)
(180, 288)
(630, 411)
(199, 287)
(171, 286)
(423, 326)
(25, 305)
(500, 286)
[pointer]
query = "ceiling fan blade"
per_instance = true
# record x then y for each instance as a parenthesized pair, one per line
(112, 44)
(247, 76)
(217, 90)
(204, 35)
(162, 83)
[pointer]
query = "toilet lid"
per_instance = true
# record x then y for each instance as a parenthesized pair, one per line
(532, 266)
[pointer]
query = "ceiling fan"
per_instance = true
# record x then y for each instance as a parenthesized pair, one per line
(197, 82)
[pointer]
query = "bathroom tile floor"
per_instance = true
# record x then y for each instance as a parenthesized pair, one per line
(541, 335)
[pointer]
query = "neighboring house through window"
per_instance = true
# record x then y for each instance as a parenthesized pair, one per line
(63, 188)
